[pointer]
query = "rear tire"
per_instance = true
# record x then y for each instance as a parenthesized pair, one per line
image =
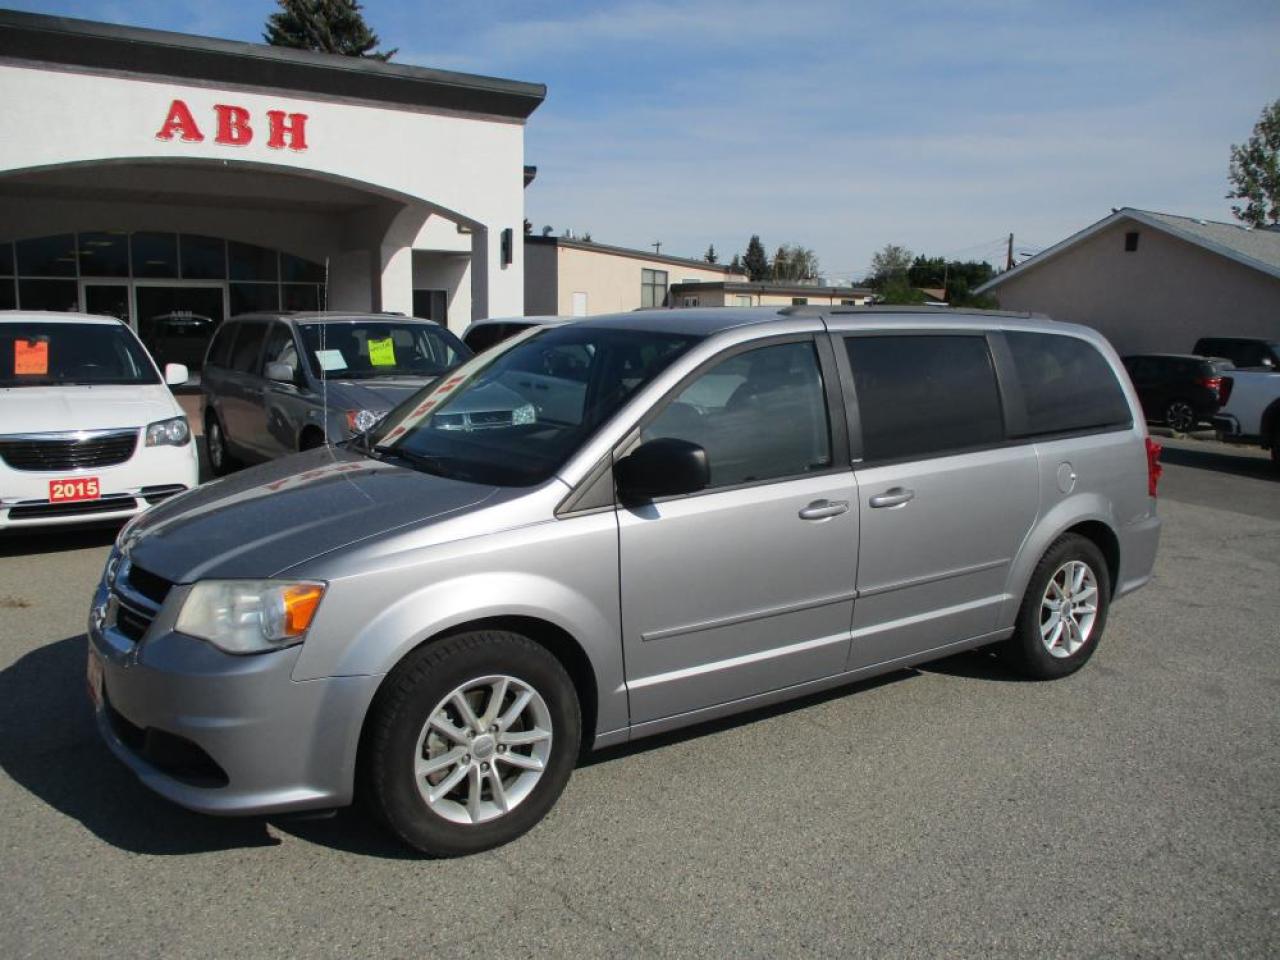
(1180, 415)
(470, 742)
(220, 460)
(1063, 612)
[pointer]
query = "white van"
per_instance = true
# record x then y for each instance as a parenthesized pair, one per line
(89, 430)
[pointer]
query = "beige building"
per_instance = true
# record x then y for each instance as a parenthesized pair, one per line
(1154, 281)
(581, 278)
(740, 292)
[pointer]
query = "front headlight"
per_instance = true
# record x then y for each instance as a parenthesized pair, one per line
(173, 432)
(362, 421)
(250, 616)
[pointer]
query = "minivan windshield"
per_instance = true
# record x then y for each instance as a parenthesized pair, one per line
(35, 354)
(373, 349)
(514, 415)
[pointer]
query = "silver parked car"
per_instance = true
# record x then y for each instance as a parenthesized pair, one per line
(607, 529)
(278, 383)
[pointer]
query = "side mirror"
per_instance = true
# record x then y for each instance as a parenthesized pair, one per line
(280, 371)
(664, 467)
(176, 374)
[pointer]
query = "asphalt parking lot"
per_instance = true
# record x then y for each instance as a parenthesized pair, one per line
(1131, 810)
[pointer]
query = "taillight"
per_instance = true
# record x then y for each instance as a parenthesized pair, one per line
(1213, 383)
(1153, 466)
(1224, 391)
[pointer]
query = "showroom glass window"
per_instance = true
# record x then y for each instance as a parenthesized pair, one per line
(924, 395)
(760, 415)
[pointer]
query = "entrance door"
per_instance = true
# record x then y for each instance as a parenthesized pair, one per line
(106, 299)
(945, 503)
(176, 322)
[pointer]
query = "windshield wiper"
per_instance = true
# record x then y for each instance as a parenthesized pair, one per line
(420, 461)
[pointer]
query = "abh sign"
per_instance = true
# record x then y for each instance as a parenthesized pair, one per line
(232, 127)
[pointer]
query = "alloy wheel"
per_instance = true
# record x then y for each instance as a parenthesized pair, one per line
(1068, 609)
(1180, 416)
(483, 749)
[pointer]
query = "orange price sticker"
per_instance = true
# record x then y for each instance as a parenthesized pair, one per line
(30, 357)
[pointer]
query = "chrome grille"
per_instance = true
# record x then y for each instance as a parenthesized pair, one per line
(68, 451)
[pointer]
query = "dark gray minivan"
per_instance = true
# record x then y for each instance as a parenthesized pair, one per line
(695, 512)
(277, 383)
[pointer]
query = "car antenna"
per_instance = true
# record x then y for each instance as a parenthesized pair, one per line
(324, 374)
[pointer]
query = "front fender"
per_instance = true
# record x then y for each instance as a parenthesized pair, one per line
(564, 573)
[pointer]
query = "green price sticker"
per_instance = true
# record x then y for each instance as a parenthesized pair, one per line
(382, 353)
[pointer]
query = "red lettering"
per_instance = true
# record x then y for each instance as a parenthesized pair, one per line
(293, 130)
(181, 122)
(233, 125)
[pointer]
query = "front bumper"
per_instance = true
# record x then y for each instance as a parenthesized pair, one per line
(151, 475)
(218, 733)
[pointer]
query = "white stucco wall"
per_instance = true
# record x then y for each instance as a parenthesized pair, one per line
(469, 167)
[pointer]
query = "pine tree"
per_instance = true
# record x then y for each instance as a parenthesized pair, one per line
(756, 260)
(710, 256)
(327, 26)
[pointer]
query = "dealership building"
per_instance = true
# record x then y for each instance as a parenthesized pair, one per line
(148, 174)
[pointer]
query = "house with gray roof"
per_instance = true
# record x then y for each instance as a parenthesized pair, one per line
(1154, 281)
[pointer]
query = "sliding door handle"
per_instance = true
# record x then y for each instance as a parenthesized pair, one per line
(824, 509)
(894, 497)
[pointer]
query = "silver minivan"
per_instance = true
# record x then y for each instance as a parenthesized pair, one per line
(697, 512)
(277, 383)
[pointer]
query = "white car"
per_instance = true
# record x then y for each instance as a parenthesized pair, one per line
(89, 430)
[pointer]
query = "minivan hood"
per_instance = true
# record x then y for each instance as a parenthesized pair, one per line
(266, 519)
(375, 395)
(82, 407)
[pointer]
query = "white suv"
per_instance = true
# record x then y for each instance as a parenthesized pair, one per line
(88, 429)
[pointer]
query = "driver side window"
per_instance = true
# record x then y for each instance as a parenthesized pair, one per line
(760, 415)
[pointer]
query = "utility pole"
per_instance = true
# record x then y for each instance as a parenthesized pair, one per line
(657, 247)
(1008, 260)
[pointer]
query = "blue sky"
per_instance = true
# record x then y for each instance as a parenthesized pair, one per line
(841, 126)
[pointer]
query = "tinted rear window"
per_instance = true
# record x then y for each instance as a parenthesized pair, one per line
(244, 356)
(1067, 385)
(482, 338)
(220, 349)
(923, 396)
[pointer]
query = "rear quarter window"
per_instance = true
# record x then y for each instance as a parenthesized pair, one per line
(1067, 385)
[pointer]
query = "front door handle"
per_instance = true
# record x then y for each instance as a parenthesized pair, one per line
(895, 497)
(824, 509)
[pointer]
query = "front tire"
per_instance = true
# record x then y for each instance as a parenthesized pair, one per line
(471, 740)
(1063, 612)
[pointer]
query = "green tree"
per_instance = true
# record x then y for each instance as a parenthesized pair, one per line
(1255, 171)
(711, 256)
(897, 290)
(735, 264)
(888, 264)
(328, 26)
(756, 260)
(793, 263)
